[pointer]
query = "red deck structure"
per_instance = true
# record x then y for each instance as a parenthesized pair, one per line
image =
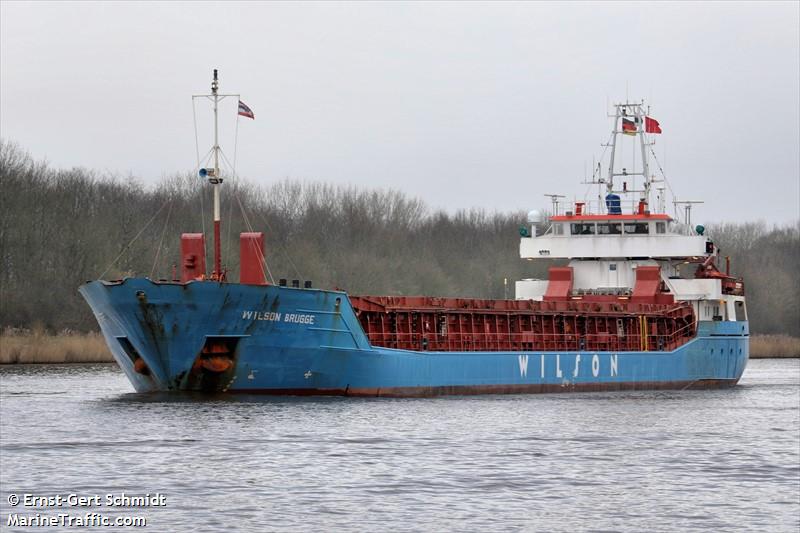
(193, 256)
(460, 324)
(251, 262)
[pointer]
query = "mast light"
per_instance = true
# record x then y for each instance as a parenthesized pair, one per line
(211, 174)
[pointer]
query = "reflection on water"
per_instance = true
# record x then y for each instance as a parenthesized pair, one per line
(722, 460)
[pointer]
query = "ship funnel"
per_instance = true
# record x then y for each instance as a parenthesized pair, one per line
(613, 204)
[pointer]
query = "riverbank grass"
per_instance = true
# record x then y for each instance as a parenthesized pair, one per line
(774, 346)
(19, 347)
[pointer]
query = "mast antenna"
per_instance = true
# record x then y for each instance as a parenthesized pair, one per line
(629, 119)
(214, 174)
(215, 180)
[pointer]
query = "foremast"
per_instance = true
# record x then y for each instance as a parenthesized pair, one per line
(214, 174)
(216, 180)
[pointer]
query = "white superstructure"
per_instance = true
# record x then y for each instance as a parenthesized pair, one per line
(605, 242)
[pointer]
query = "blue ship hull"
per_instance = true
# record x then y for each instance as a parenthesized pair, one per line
(307, 341)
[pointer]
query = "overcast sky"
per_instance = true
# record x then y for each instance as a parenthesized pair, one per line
(461, 104)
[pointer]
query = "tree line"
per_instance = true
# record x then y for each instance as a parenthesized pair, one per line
(60, 228)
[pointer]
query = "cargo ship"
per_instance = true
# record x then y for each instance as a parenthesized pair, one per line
(634, 300)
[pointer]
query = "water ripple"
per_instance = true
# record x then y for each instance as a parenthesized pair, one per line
(725, 460)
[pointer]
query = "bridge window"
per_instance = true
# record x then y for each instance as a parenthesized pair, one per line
(661, 227)
(582, 229)
(610, 228)
(637, 228)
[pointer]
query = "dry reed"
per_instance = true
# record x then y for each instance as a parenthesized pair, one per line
(774, 346)
(38, 346)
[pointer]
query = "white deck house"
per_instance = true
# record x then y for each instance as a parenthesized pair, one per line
(606, 247)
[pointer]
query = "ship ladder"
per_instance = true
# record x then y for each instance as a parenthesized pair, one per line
(643, 333)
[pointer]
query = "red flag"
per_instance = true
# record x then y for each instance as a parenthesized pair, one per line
(651, 125)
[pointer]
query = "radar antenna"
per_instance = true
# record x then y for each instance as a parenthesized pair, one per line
(687, 209)
(554, 199)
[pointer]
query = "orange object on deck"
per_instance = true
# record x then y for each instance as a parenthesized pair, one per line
(218, 364)
(141, 367)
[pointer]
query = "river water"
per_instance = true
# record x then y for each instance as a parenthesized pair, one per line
(659, 461)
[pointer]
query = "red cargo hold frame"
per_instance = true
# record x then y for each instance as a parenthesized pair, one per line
(456, 324)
